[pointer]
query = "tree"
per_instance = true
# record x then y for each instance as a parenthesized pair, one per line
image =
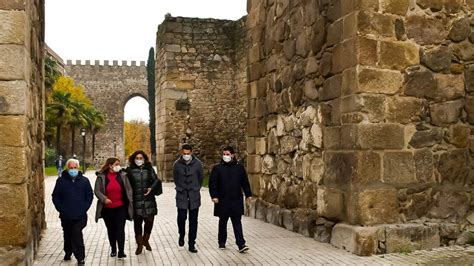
(137, 136)
(150, 69)
(51, 73)
(58, 113)
(95, 121)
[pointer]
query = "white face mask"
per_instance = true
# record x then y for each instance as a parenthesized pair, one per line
(187, 157)
(116, 168)
(227, 158)
(139, 162)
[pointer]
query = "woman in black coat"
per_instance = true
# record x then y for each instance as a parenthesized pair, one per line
(227, 182)
(144, 184)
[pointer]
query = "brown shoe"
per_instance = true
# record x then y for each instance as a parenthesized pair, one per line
(139, 240)
(146, 237)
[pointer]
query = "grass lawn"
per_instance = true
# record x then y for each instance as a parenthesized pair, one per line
(205, 181)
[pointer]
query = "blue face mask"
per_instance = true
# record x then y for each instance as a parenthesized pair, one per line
(73, 172)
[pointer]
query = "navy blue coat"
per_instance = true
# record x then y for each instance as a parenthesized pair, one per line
(229, 182)
(71, 198)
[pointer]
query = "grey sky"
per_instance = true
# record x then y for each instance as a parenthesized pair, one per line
(122, 29)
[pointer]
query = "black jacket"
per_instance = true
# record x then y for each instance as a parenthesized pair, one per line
(227, 181)
(72, 197)
(142, 178)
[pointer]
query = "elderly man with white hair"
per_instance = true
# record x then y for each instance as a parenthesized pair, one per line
(72, 197)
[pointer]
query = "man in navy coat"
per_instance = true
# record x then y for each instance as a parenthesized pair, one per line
(72, 197)
(227, 182)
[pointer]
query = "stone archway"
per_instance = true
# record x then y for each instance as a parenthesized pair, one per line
(109, 86)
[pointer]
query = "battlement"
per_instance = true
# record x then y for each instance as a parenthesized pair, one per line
(104, 63)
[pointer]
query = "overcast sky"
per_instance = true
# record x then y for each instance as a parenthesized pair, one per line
(122, 29)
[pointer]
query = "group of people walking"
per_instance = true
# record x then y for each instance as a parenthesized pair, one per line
(129, 194)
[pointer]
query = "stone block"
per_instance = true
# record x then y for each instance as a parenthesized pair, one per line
(313, 168)
(380, 136)
(398, 168)
(337, 59)
(14, 168)
(446, 113)
(331, 88)
(288, 144)
(469, 107)
(404, 110)
(437, 59)
(304, 222)
(463, 50)
(250, 208)
(334, 33)
(12, 30)
(453, 166)
(398, 7)
(260, 108)
(254, 71)
(255, 53)
(372, 5)
(349, 28)
(13, 5)
(426, 138)
(252, 127)
(349, 168)
(359, 240)
(398, 55)
(15, 202)
(458, 135)
(274, 215)
(425, 30)
(330, 203)
(268, 165)
(375, 24)
(449, 87)
(373, 206)
(254, 180)
(254, 164)
(302, 45)
(260, 146)
(334, 11)
(173, 48)
(424, 166)
(469, 77)
(261, 211)
(310, 90)
(13, 62)
(251, 145)
(367, 51)
(13, 130)
(287, 219)
(13, 229)
(420, 82)
(318, 35)
(332, 138)
(410, 237)
(379, 81)
(273, 144)
(12, 97)
(434, 5)
(453, 6)
(349, 54)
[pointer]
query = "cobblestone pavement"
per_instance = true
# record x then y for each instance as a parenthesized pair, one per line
(269, 244)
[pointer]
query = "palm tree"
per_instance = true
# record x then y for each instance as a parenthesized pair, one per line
(51, 73)
(58, 113)
(78, 118)
(95, 121)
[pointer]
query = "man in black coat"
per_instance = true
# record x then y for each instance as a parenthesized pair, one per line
(188, 177)
(59, 164)
(226, 183)
(72, 197)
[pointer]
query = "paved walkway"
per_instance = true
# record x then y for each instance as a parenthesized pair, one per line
(269, 244)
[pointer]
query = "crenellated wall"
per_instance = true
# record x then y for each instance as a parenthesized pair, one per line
(109, 86)
(200, 89)
(22, 100)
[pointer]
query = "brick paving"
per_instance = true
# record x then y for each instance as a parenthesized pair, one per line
(269, 244)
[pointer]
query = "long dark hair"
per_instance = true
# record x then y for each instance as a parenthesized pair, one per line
(107, 164)
(131, 159)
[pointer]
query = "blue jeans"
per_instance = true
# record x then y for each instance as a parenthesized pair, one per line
(60, 170)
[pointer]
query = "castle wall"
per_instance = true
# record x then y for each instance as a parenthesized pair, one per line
(109, 86)
(22, 100)
(366, 120)
(200, 92)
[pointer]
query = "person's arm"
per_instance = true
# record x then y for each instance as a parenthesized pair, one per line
(175, 173)
(246, 184)
(155, 181)
(57, 199)
(213, 185)
(89, 195)
(200, 174)
(98, 192)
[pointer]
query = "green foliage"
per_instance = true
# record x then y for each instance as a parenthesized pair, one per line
(403, 249)
(150, 69)
(205, 181)
(49, 157)
(51, 72)
(50, 171)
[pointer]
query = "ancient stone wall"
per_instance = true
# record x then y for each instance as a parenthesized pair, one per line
(361, 114)
(21, 129)
(200, 90)
(109, 86)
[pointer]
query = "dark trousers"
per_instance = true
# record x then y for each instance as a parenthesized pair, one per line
(73, 240)
(115, 222)
(238, 232)
(193, 224)
(137, 224)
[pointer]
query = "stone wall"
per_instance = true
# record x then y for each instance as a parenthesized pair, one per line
(200, 89)
(361, 114)
(109, 86)
(21, 129)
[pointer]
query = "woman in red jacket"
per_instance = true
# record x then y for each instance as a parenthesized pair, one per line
(115, 204)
